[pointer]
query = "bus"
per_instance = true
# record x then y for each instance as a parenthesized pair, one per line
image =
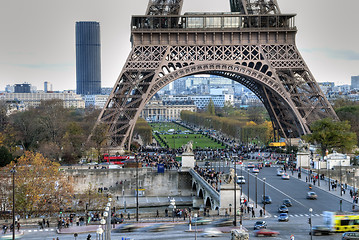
(341, 222)
(118, 160)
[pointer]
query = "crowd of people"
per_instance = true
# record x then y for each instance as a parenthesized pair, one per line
(210, 175)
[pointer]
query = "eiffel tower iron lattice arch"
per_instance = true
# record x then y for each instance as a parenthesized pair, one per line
(253, 45)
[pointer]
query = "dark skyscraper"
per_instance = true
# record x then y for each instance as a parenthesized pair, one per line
(88, 58)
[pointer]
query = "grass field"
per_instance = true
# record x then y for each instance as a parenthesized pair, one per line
(178, 140)
(165, 126)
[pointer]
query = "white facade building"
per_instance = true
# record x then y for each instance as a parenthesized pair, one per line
(337, 159)
(97, 101)
(202, 101)
(70, 99)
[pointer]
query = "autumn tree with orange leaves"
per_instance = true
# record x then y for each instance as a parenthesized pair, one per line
(40, 187)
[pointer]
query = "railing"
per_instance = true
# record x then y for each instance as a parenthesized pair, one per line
(213, 192)
(212, 21)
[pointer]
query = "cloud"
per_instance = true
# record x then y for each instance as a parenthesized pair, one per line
(342, 54)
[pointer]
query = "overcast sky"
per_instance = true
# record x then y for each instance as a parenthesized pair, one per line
(37, 40)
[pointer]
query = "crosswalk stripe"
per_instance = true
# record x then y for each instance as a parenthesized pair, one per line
(301, 215)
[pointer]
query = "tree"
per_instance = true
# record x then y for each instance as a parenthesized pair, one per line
(350, 113)
(332, 135)
(99, 137)
(5, 156)
(40, 185)
(210, 108)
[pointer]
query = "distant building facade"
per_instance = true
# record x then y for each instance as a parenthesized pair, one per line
(88, 58)
(47, 87)
(201, 102)
(70, 99)
(22, 88)
(159, 110)
(96, 101)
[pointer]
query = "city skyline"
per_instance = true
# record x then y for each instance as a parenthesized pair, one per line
(39, 40)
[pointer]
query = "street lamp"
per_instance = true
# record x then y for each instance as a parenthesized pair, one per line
(310, 223)
(13, 171)
(256, 189)
(354, 181)
(136, 187)
(195, 233)
(248, 186)
(235, 192)
(264, 196)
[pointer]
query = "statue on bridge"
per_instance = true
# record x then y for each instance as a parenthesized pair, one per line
(230, 177)
(188, 148)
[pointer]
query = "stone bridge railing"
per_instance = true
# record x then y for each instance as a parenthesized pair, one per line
(206, 186)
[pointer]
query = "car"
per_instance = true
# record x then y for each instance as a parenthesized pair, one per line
(266, 199)
(321, 230)
(280, 172)
(250, 165)
(312, 195)
(201, 221)
(160, 227)
(287, 202)
(126, 228)
(260, 225)
(267, 164)
(350, 236)
(265, 232)
(116, 220)
(285, 176)
(224, 222)
(241, 180)
(283, 209)
(255, 170)
(211, 232)
(283, 217)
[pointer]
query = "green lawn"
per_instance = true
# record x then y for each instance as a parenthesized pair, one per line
(178, 140)
(165, 126)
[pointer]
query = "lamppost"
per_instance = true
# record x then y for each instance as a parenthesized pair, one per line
(13, 171)
(235, 192)
(109, 219)
(264, 196)
(256, 189)
(318, 172)
(340, 173)
(136, 187)
(354, 181)
(195, 223)
(241, 185)
(248, 186)
(310, 223)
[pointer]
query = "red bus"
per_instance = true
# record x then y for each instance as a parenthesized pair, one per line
(116, 159)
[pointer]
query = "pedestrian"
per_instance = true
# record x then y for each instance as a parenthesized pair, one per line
(166, 212)
(18, 226)
(128, 216)
(4, 229)
(260, 213)
(253, 213)
(47, 223)
(89, 237)
(157, 214)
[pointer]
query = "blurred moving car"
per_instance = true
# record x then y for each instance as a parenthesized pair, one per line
(280, 172)
(241, 180)
(267, 164)
(321, 230)
(283, 209)
(285, 176)
(201, 221)
(160, 227)
(260, 225)
(350, 236)
(283, 217)
(211, 232)
(224, 222)
(312, 195)
(287, 202)
(126, 228)
(265, 232)
(255, 170)
(266, 199)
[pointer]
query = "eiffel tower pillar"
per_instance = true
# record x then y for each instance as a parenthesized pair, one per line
(254, 46)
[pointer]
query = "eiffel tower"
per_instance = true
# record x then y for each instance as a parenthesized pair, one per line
(254, 45)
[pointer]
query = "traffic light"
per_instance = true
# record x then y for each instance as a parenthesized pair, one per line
(309, 220)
